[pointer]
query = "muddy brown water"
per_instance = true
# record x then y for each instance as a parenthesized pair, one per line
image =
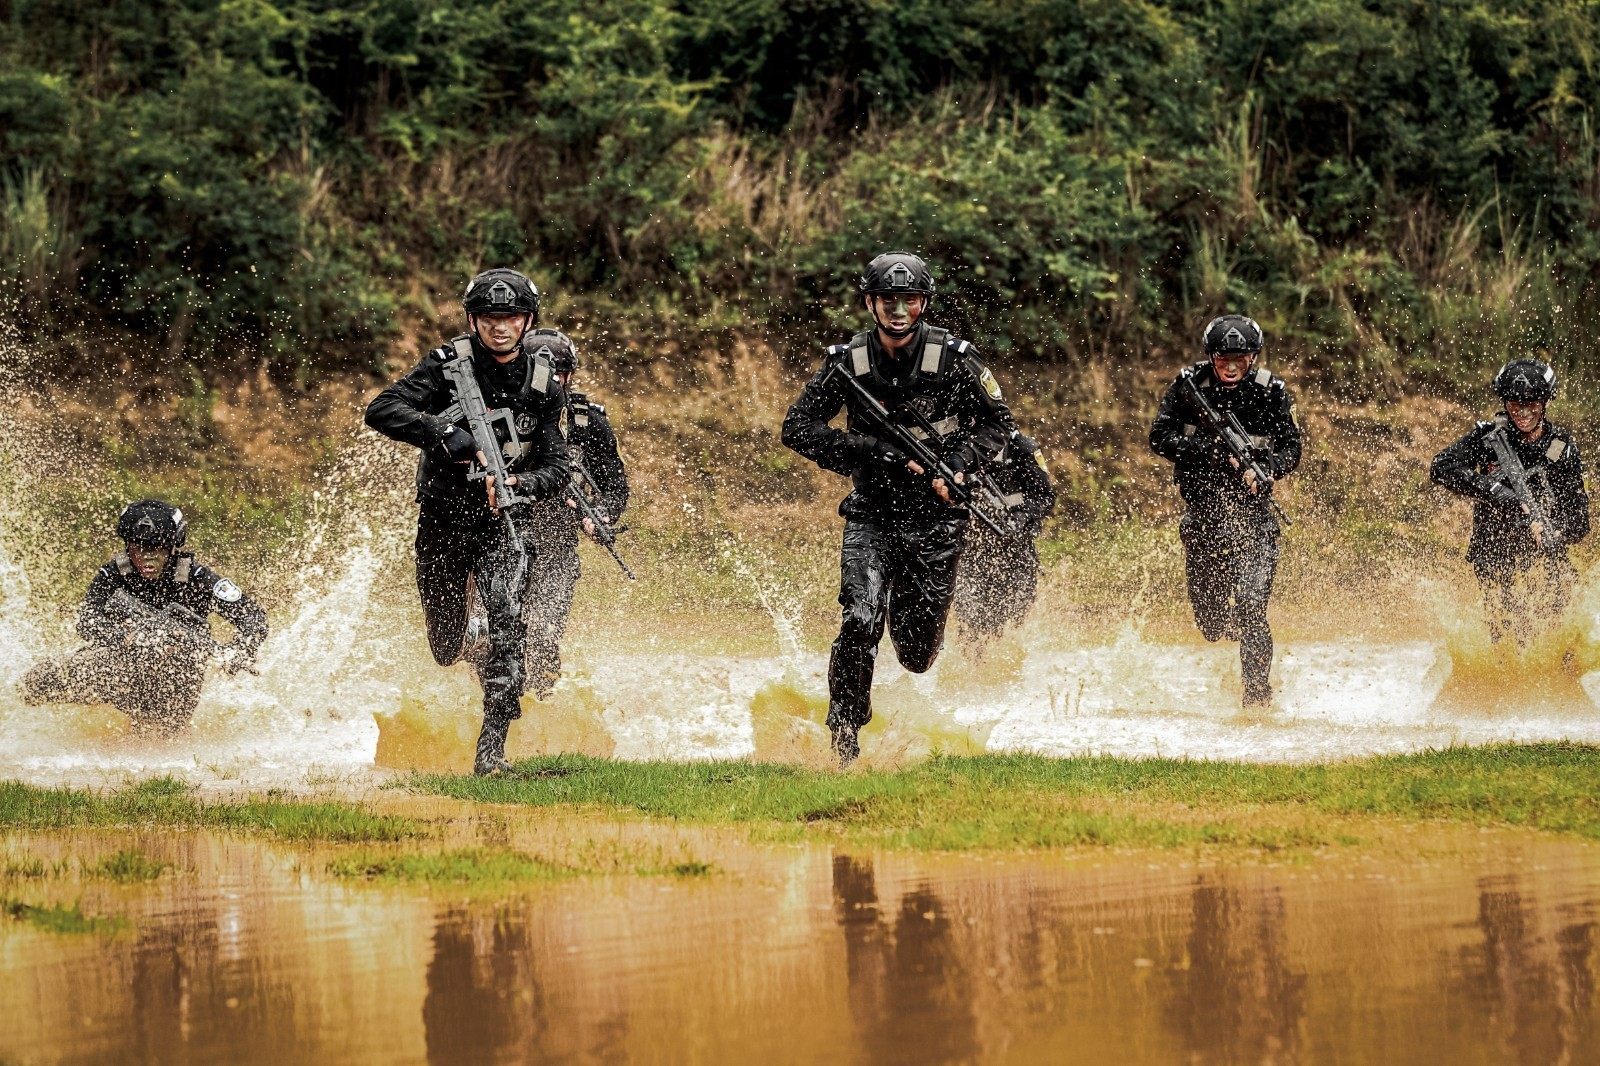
(1483, 950)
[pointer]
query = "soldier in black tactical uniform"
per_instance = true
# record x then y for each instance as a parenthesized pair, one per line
(1229, 533)
(465, 546)
(902, 535)
(999, 576)
(593, 447)
(145, 617)
(1507, 541)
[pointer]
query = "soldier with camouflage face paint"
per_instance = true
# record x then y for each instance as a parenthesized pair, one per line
(1519, 547)
(466, 548)
(1229, 531)
(903, 531)
(145, 617)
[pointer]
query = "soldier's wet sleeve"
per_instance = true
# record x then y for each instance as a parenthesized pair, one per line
(1456, 468)
(983, 412)
(1167, 438)
(408, 409)
(548, 471)
(1572, 499)
(95, 623)
(1286, 443)
(605, 466)
(215, 594)
(1038, 495)
(806, 429)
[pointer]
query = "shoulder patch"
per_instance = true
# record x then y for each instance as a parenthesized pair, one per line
(990, 385)
(226, 591)
(1038, 457)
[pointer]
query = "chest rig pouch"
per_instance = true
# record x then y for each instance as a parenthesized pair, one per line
(930, 365)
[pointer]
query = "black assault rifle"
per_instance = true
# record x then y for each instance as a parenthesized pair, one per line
(480, 423)
(172, 625)
(582, 491)
(978, 495)
(1235, 438)
(1513, 473)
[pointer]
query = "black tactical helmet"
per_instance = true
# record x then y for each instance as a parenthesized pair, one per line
(501, 292)
(1525, 381)
(899, 272)
(152, 523)
(554, 347)
(1231, 335)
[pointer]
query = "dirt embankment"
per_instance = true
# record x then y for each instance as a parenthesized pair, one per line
(699, 424)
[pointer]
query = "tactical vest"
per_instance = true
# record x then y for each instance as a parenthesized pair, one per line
(1261, 376)
(931, 364)
(536, 379)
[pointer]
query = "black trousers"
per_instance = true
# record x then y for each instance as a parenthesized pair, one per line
(548, 601)
(996, 582)
(894, 574)
(1523, 592)
(1230, 561)
(462, 542)
(157, 688)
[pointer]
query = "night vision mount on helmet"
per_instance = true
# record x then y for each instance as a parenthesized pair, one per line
(1525, 381)
(897, 272)
(152, 523)
(1231, 335)
(501, 292)
(554, 347)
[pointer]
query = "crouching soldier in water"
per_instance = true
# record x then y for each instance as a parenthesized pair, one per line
(902, 533)
(1512, 543)
(593, 450)
(466, 547)
(146, 620)
(999, 576)
(1229, 533)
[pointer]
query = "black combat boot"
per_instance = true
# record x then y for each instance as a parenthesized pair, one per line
(1257, 696)
(491, 757)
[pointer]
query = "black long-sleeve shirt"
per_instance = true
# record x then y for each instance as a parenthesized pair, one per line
(409, 410)
(591, 439)
(947, 384)
(1499, 528)
(1020, 472)
(1205, 478)
(184, 581)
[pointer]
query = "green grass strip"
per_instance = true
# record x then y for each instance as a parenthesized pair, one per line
(167, 802)
(1004, 801)
(59, 918)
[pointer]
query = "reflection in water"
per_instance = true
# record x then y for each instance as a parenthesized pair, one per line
(903, 968)
(251, 954)
(1534, 983)
(1236, 997)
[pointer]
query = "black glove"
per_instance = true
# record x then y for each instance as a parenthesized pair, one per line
(459, 445)
(963, 457)
(884, 454)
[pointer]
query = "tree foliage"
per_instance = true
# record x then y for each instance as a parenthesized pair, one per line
(1411, 182)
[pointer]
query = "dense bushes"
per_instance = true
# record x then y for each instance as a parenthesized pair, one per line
(1412, 184)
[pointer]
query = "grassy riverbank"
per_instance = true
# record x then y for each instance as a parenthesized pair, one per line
(1021, 801)
(946, 803)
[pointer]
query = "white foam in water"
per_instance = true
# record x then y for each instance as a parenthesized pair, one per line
(335, 660)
